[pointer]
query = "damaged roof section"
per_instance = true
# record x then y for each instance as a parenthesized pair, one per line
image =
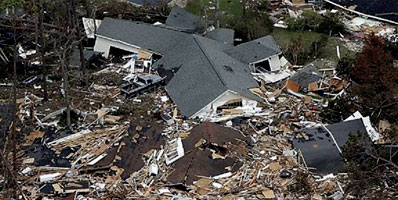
(202, 65)
(205, 148)
(321, 146)
(185, 21)
(140, 34)
(306, 76)
(256, 50)
(132, 150)
(223, 35)
(213, 134)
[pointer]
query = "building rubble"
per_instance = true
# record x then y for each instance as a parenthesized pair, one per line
(107, 153)
(129, 140)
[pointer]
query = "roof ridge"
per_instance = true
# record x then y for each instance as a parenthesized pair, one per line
(210, 61)
(161, 26)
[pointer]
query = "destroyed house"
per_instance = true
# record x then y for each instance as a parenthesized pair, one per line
(134, 36)
(382, 10)
(321, 146)
(213, 157)
(204, 77)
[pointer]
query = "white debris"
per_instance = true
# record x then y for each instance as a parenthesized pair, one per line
(49, 177)
(164, 98)
(175, 151)
(27, 171)
(153, 169)
(89, 27)
(217, 185)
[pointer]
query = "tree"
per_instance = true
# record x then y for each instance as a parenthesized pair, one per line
(294, 49)
(371, 168)
(12, 178)
(344, 66)
(329, 23)
(252, 25)
(377, 80)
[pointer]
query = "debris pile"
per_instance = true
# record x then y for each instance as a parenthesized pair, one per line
(190, 118)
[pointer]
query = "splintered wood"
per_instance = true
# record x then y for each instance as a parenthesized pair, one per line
(92, 143)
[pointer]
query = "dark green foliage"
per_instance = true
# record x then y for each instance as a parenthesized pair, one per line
(317, 45)
(377, 81)
(331, 25)
(392, 45)
(344, 66)
(11, 3)
(338, 110)
(370, 168)
(251, 26)
(311, 21)
(374, 90)
(298, 54)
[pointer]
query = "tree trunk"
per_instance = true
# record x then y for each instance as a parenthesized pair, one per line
(42, 50)
(66, 90)
(14, 117)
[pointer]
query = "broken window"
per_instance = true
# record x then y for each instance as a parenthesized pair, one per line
(233, 103)
(118, 53)
(263, 66)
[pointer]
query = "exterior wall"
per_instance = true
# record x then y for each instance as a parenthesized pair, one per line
(211, 108)
(104, 45)
(275, 63)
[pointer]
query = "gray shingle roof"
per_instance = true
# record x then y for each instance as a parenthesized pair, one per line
(307, 75)
(223, 35)
(205, 72)
(157, 39)
(202, 70)
(183, 20)
(255, 50)
(320, 152)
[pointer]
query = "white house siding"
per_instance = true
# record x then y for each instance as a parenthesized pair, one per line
(275, 63)
(104, 44)
(211, 108)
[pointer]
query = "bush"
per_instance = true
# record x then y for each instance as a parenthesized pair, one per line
(375, 88)
(251, 26)
(311, 21)
(344, 66)
(298, 54)
(370, 168)
(337, 110)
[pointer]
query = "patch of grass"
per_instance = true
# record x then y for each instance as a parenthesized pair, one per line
(283, 37)
(230, 7)
(330, 50)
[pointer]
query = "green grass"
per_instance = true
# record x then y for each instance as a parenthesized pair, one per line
(283, 36)
(330, 50)
(230, 7)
